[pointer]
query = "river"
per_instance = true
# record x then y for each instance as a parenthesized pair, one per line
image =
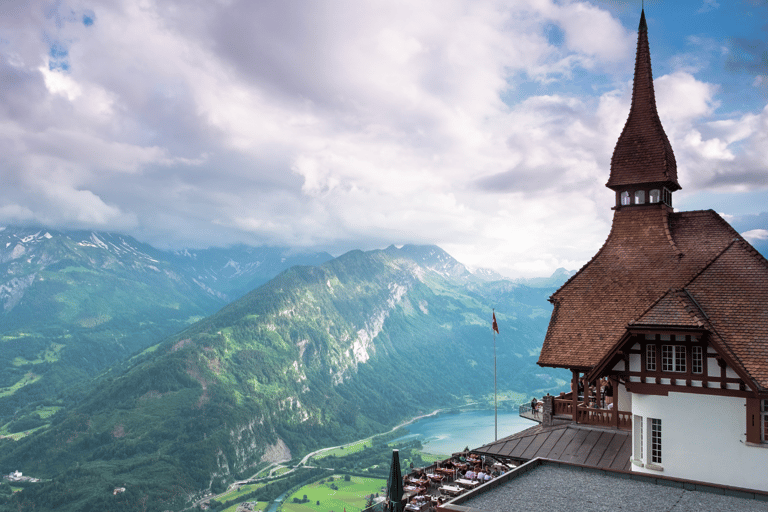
(450, 432)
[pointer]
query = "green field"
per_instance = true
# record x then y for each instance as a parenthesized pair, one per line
(352, 494)
(260, 505)
(345, 450)
(29, 378)
(239, 492)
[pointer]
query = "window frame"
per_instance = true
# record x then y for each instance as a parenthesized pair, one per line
(626, 199)
(697, 359)
(764, 420)
(650, 357)
(655, 441)
(673, 359)
(637, 449)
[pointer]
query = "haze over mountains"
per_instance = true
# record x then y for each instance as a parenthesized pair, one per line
(322, 353)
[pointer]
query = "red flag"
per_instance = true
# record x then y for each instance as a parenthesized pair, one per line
(495, 325)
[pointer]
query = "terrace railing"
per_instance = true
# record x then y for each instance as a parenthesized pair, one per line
(584, 414)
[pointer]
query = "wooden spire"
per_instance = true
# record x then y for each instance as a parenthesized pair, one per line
(643, 154)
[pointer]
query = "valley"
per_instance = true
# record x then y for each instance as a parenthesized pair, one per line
(320, 355)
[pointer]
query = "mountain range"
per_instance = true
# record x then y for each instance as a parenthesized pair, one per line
(73, 303)
(318, 355)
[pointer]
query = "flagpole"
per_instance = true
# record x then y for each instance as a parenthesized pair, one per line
(495, 401)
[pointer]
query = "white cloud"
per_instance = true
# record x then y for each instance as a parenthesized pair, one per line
(341, 124)
(755, 234)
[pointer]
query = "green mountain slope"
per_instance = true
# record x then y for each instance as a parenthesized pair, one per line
(316, 356)
(74, 303)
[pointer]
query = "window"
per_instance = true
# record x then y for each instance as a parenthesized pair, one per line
(640, 197)
(764, 416)
(654, 196)
(624, 198)
(655, 440)
(697, 359)
(673, 358)
(650, 358)
(638, 426)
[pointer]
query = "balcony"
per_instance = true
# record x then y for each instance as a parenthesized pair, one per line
(586, 414)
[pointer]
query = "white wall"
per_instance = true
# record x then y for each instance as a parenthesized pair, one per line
(703, 438)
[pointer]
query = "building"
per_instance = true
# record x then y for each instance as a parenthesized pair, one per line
(670, 317)
(665, 332)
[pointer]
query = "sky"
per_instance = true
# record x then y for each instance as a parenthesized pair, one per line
(485, 127)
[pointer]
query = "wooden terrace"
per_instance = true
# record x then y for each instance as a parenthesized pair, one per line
(566, 409)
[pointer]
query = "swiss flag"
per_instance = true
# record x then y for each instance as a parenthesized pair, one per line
(495, 325)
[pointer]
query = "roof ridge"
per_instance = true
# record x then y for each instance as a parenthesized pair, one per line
(668, 232)
(692, 309)
(710, 262)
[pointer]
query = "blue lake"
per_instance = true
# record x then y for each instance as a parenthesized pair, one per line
(447, 433)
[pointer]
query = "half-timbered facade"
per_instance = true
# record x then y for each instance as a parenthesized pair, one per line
(670, 317)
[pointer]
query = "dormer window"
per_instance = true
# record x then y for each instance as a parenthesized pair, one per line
(625, 198)
(654, 196)
(650, 358)
(673, 358)
(697, 359)
(640, 197)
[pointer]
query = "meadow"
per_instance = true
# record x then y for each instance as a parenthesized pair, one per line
(334, 494)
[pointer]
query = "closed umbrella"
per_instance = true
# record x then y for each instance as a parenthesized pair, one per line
(395, 484)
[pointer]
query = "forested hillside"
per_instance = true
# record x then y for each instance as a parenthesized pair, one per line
(316, 356)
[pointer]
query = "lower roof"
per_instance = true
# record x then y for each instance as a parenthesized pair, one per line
(560, 487)
(571, 442)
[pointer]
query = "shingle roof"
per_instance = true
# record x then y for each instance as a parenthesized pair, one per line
(733, 291)
(695, 273)
(675, 308)
(643, 153)
(648, 251)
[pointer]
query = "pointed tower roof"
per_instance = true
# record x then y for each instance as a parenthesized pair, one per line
(643, 154)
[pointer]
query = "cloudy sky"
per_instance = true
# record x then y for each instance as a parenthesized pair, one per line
(482, 126)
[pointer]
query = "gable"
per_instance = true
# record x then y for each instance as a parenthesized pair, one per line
(733, 291)
(648, 251)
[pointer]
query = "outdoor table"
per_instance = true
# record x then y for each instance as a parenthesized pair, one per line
(451, 489)
(471, 484)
